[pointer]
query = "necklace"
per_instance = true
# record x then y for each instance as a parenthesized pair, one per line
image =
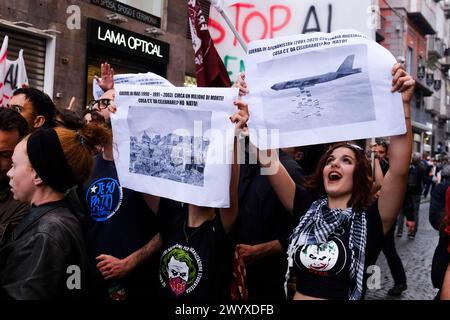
(185, 231)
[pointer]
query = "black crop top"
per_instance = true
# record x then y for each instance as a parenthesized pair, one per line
(324, 271)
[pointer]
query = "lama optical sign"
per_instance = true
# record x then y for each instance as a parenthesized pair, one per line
(128, 42)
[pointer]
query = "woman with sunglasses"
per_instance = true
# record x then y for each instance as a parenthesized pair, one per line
(341, 227)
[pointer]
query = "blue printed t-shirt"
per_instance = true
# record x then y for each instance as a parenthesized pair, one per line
(120, 221)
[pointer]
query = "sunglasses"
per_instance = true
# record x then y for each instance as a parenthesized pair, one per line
(101, 104)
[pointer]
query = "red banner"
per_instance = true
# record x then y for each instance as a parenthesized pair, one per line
(210, 69)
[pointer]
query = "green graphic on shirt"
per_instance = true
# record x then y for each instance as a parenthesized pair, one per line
(180, 269)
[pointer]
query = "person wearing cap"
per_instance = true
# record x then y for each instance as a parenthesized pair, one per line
(47, 247)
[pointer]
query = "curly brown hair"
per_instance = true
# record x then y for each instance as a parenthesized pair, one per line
(362, 181)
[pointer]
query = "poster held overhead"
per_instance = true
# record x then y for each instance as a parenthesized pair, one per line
(321, 88)
(175, 143)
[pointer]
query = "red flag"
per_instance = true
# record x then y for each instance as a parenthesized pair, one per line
(209, 66)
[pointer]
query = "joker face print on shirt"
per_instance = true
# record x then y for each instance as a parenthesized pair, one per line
(327, 258)
(180, 269)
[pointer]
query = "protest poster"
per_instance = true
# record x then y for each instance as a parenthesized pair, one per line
(320, 88)
(175, 143)
(258, 20)
(149, 78)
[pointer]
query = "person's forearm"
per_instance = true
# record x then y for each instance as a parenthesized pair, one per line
(401, 148)
(378, 173)
(269, 249)
(445, 292)
(282, 184)
(229, 215)
(143, 254)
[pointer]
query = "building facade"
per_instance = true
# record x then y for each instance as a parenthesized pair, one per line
(417, 33)
(65, 42)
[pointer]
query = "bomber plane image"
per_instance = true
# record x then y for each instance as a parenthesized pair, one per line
(346, 69)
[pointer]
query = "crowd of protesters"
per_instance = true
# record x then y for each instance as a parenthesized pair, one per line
(308, 231)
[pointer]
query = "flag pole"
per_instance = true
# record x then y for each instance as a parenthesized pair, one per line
(224, 15)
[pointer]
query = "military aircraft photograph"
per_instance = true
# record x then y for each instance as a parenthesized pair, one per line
(346, 69)
(319, 89)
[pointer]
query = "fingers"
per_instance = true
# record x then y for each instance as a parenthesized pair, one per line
(102, 264)
(240, 82)
(101, 257)
(241, 105)
(241, 117)
(105, 69)
(397, 67)
(239, 120)
(97, 79)
(403, 84)
(406, 85)
(398, 74)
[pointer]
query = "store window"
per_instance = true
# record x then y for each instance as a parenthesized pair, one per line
(409, 60)
(121, 65)
(136, 53)
(34, 51)
(154, 7)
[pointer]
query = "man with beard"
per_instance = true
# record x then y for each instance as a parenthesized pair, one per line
(13, 128)
(122, 232)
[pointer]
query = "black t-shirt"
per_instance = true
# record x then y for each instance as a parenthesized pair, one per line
(196, 263)
(324, 271)
(441, 260)
(263, 218)
(120, 223)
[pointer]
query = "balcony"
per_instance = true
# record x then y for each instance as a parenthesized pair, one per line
(445, 62)
(433, 105)
(446, 8)
(436, 46)
(422, 16)
(445, 112)
(380, 34)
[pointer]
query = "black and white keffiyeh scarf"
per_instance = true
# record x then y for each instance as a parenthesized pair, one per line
(318, 224)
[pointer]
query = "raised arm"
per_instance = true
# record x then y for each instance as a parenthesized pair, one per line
(229, 215)
(378, 176)
(445, 291)
(279, 178)
(394, 184)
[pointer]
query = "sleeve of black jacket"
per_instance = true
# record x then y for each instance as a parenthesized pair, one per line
(36, 271)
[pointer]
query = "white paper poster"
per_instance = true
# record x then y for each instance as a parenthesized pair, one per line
(175, 143)
(320, 88)
(268, 19)
(149, 79)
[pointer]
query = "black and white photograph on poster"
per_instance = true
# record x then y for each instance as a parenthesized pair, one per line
(319, 88)
(165, 150)
(175, 142)
(328, 93)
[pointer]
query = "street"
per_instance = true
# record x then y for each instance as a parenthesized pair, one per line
(416, 256)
